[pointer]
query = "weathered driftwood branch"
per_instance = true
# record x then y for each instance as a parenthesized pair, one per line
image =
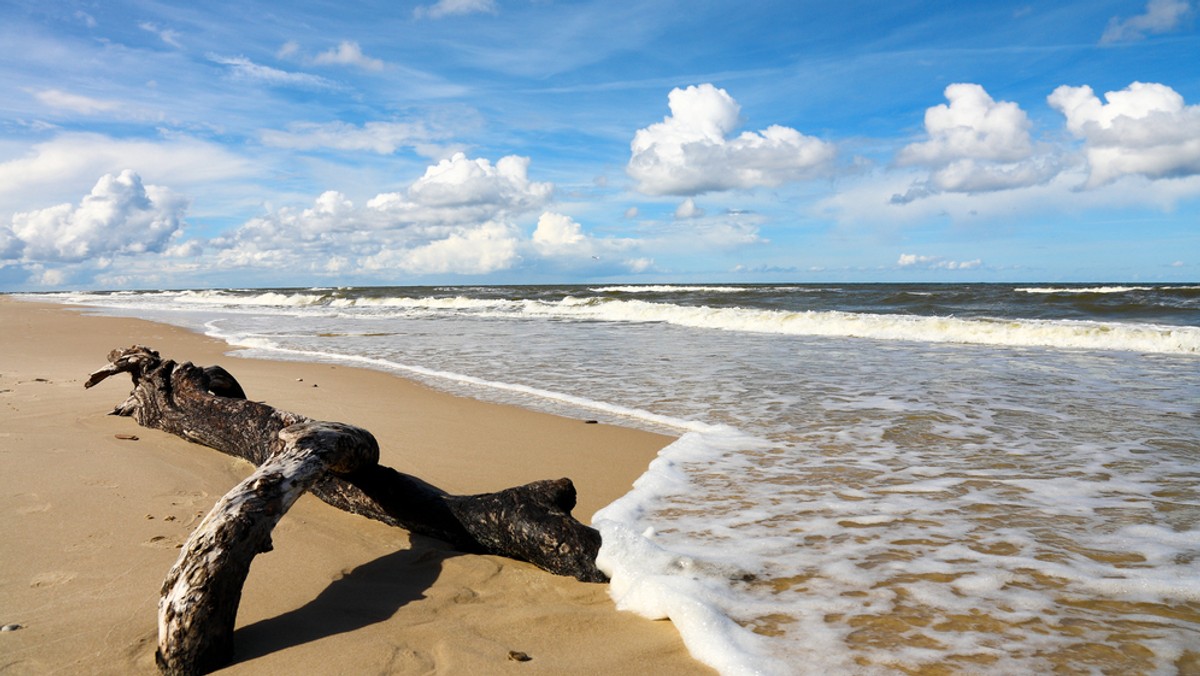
(338, 463)
(200, 597)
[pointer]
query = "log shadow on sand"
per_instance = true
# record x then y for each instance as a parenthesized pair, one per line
(369, 594)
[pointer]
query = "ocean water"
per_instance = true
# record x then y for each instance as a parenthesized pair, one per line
(990, 479)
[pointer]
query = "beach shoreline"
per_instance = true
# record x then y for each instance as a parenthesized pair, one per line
(95, 522)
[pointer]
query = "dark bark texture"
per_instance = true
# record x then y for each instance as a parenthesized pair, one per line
(339, 464)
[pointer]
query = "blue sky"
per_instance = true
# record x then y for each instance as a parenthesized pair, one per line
(170, 144)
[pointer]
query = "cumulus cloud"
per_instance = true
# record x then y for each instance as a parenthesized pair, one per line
(444, 8)
(1161, 16)
(1144, 129)
(330, 214)
(478, 250)
(60, 169)
(460, 188)
(936, 263)
(457, 218)
(975, 144)
(348, 53)
(384, 138)
(688, 209)
(557, 234)
(119, 216)
(562, 241)
(690, 151)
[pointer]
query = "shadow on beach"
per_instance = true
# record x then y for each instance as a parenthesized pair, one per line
(369, 594)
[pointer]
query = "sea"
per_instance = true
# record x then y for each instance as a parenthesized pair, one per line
(867, 478)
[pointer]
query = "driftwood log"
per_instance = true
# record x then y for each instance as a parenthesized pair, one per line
(339, 464)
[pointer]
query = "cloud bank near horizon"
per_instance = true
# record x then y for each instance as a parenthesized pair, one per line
(469, 216)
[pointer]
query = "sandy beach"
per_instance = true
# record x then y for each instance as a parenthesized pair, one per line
(93, 522)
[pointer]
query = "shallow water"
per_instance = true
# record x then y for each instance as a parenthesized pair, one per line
(876, 478)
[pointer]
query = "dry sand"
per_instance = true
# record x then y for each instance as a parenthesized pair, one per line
(91, 523)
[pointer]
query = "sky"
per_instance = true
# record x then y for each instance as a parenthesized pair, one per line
(156, 144)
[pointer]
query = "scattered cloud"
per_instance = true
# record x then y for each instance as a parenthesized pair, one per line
(975, 144)
(85, 18)
(688, 209)
(457, 218)
(241, 68)
(444, 8)
(165, 34)
(348, 54)
(119, 216)
(288, 50)
(75, 103)
(460, 186)
(559, 237)
(557, 234)
(383, 138)
(1161, 16)
(61, 168)
(1144, 129)
(478, 250)
(639, 265)
(690, 151)
(936, 263)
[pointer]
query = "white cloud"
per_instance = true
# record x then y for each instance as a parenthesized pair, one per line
(1144, 129)
(75, 103)
(690, 151)
(119, 216)
(972, 126)
(1161, 16)
(63, 167)
(444, 8)
(384, 138)
(688, 209)
(49, 277)
(289, 49)
(165, 34)
(975, 144)
(936, 263)
(456, 218)
(330, 214)
(489, 247)
(460, 188)
(639, 264)
(241, 68)
(557, 234)
(85, 18)
(348, 54)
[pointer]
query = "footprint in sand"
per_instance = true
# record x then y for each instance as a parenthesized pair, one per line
(34, 509)
(52, 578)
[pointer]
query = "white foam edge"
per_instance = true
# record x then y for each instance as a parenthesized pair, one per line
(656, 583)
(268, 347)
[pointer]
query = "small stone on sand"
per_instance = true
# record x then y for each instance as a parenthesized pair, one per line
(517, 656)
(11, 627)
(127, 437)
